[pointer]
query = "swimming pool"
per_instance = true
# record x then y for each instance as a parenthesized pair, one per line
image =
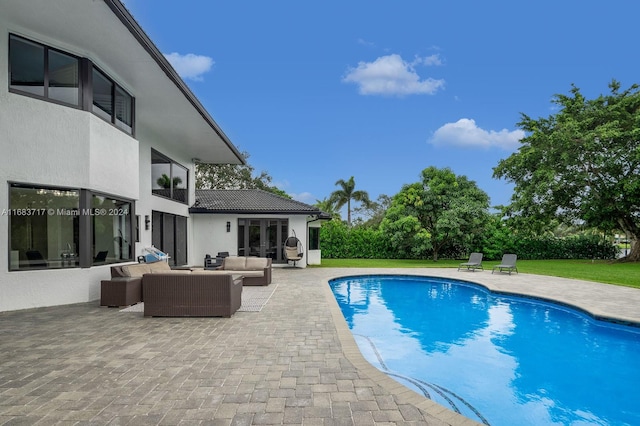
(500, 360)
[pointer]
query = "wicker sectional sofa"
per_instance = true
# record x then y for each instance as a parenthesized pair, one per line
(186, 294)
(255, 270)
(168, 292)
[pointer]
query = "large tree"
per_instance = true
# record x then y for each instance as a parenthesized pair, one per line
(441, 209)
(581, 165)
(345, 194)
(234, 176)
(370, 216)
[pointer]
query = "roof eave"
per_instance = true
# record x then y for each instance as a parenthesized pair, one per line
(203, 210)
(138, 33)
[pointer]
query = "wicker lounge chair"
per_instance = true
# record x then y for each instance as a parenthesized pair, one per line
(508, 263)
(475, 262)
(293, 251)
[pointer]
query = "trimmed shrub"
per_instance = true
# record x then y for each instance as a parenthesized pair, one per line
(337, 241)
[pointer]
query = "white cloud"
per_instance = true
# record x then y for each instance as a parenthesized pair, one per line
(391, 75)
(190, 66)
(433, 60)
(366, 43)
(304, 197)
(465, 132)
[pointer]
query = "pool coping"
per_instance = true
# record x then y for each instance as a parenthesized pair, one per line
(404, 395)
(496, 285)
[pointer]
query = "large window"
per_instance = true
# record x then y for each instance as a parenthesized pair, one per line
(43, 227)
(66, 227)
(111, 102)
(168, 178)
(44, 72)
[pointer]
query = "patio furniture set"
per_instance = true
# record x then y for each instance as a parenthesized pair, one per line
(189, 291)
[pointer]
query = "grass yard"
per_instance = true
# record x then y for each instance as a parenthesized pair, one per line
(626, 274)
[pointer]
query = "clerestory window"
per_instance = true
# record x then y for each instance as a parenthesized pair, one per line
(40, 71)
(168, 178)
(43, 72)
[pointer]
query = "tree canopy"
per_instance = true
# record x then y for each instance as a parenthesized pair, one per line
(327, 206)
(234, 176)
(581, 165)
(441, 209)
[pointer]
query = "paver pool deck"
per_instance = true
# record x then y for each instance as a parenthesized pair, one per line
(294, 362)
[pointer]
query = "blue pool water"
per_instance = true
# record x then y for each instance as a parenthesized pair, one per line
(497, 359)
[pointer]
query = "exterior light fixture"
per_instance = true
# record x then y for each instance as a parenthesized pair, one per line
(228, 226)
(147, 222)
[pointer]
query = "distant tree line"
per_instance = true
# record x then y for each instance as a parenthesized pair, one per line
(447, 216)
(578, 169)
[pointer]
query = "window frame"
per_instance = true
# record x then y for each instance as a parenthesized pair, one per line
(172, 196)
(83, 252)
(46, 73)
(314, 238)
(85, 87)
(113, 117)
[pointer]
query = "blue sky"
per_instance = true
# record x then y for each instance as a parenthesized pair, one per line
(380, 90)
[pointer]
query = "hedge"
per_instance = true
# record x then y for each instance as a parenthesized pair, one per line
(339, 242)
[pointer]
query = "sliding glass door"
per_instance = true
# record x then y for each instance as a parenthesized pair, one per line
(262, 238)
(169, 235)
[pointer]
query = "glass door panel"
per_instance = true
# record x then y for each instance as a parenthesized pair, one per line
(271, 246)
(262, 238)
(255, 238)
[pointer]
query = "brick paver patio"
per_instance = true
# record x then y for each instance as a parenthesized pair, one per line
(294, 362)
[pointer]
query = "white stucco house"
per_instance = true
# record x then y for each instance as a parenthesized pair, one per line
(252, 222)
(99, 138)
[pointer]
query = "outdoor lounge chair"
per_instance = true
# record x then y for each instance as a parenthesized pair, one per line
(508, 263)
(475, 262)
(293, 251)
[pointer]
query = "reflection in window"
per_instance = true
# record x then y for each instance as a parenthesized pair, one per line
(50, 227)
(111, 225)
(63, 78)
(179, 182)
(43, 71)
(168, 178)
(26, 66)
(124, 110)
(112, 102)
(102, 95)
(314, 238)
(43, 227)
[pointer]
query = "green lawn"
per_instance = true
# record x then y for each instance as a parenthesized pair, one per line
(626, 274)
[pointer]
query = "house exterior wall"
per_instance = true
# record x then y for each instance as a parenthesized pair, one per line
(46, 144)
(210, 234)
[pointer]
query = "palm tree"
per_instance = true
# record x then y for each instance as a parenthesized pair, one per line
(346, 194)
(327, 206)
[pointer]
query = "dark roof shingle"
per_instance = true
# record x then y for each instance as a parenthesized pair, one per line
(247, 201)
